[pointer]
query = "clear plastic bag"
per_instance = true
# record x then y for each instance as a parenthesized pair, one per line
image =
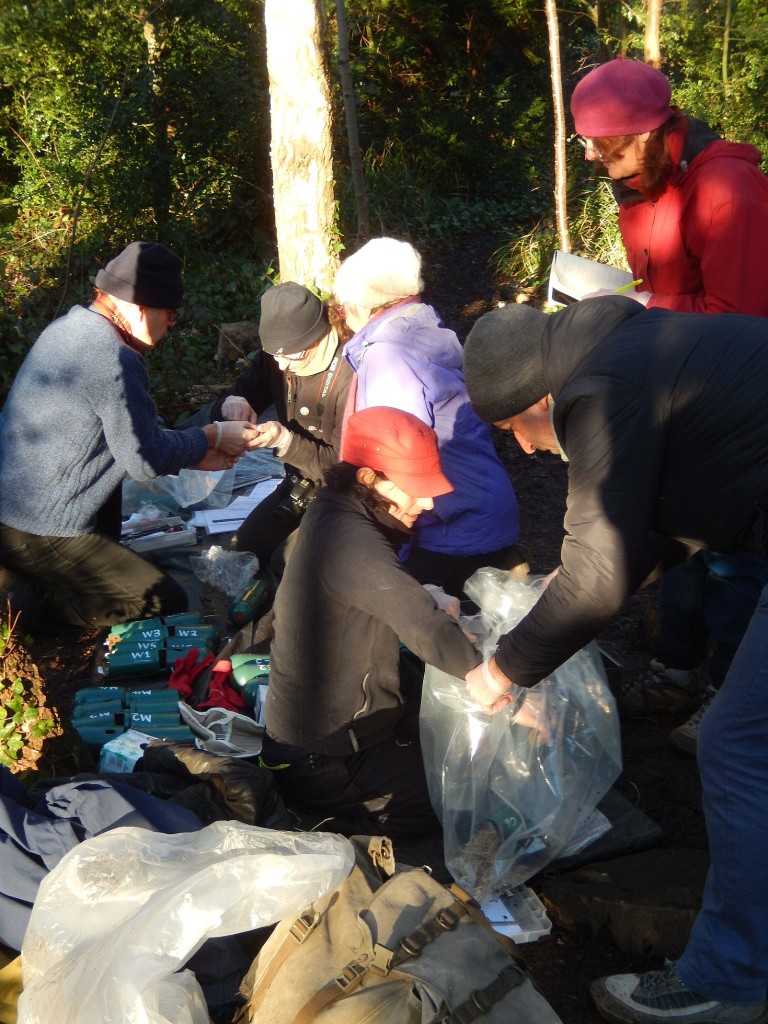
(191, 488)
(119, 916)
(510, 796)
(229, 571)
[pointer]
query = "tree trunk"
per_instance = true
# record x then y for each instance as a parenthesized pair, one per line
(561, 183)
(350, 116)
(162, 189)
(302, 168)
(653, 33)
(726, 47)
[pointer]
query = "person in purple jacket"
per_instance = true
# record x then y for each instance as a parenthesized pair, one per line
(406, 359)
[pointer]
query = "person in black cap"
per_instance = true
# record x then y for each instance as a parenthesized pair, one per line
(663, 420)
(78, 419)
(298, 370)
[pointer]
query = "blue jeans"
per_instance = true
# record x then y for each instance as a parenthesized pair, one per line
(726, 957)
(708, 595)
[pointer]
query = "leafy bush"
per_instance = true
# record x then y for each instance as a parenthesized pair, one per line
(24, 720)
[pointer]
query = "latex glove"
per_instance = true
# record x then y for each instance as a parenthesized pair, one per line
(489, 687)
(270, 435)
(530, 711)
(214, 460)
(450, 605)
(236, 408)
(230, 436)
(446, 602)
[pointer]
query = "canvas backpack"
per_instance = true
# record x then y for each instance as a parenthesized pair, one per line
(390, 947)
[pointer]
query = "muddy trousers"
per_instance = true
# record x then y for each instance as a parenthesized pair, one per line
(88, 581)
(726, 957)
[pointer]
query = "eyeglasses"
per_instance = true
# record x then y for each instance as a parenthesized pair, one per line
(588, 144)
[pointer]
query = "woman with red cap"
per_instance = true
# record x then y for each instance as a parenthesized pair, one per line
(341, 735)
(693, 208)
(693, 216)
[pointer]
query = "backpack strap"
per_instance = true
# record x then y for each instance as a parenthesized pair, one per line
(483, 1000)
(475, 912)
(300, 930)
(383, 962)
(381, 855)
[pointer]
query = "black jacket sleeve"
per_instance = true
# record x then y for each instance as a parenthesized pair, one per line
(256, 385)
(612, 434)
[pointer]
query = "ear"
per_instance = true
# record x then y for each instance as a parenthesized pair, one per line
(544, 403)
(366, 476)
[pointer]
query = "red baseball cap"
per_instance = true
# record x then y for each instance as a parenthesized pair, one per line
(400, 446)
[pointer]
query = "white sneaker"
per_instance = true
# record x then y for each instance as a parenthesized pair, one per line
(685, 737)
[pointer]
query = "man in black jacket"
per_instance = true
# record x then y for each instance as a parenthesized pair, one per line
(663, 420)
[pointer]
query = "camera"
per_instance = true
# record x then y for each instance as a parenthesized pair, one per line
(295, 503)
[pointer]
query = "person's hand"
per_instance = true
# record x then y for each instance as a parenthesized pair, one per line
(230, 437)
(214, 460)
(450, 605)
(236, 408)
(445, 602)
(489, 687)
(269, 435)
(532, 713)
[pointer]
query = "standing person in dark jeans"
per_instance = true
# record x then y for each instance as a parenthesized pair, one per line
(299, 370)
(693, 216)
(341, 735)
(78, 419)
(663, 419)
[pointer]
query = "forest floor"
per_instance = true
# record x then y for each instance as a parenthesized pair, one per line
(656, 779)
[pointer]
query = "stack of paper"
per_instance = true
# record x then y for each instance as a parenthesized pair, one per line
(227, 520)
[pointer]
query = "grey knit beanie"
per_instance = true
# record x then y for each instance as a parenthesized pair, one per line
(146, 274)
(383, 271)
(503, 364)
(292, 319)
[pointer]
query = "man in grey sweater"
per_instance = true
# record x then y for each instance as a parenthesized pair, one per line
(78, 419)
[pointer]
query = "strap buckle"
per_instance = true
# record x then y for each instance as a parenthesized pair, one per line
(304, 925)
(382, 959)
(351, 975)
(447, 918)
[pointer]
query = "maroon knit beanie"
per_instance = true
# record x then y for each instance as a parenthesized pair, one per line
(622, 97)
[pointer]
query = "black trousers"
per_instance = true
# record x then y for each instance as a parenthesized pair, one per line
(88, 581)
(381, 790)
(266, 530)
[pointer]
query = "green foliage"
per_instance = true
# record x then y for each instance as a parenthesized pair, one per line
(21, 716)
(454, 108)
(124, 121)
(220, 291)
(526, 260)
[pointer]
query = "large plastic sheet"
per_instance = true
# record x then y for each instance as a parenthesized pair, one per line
(120, 915)
(511, 795)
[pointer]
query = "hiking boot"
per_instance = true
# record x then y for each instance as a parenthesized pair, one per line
(661, 690)
(685, 737)
(660, 996)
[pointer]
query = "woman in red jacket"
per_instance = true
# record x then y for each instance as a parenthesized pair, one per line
(693, 216)
(693, 208)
